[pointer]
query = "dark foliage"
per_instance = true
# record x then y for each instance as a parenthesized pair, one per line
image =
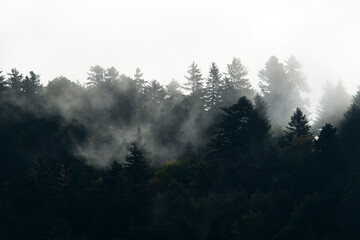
(127, 159)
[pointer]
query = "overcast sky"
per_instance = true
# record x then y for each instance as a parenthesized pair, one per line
(163, 37)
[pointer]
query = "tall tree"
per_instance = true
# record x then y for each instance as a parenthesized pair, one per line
(173, 90)
(111, 75)
(332, 105)
(240, 128)
(282, 87)
(96, 75)
(261, 106)
(2, 83)
(236, 74)
(213, 87)
(15, 80)
(298, 126)
(194, 79)
(136, 165)
(31, 85)
(139, 81)
(155, 92)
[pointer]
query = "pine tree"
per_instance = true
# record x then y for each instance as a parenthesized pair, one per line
(213, 87)
(241, 127)
(236, 73)
(15, 81)
(136, 165)
(261, 106)
(332, 105)
(2, 83)
(139, 81)
(95, 76)
(111, 75)
(194, 79)
(298, 126)
(31, 86)
(282, 87)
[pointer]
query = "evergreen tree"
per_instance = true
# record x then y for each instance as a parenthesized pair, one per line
(298, 126)
(236, 74)
(213, 87)
(111, 75)
(332, 105)
(282, 87)
(139, 81)
(96, 76)
(31, 86)
(173, 90)
(15, 81)
(194, 79)
(295, 74)
(136, 165)
(261, 106)
(155, 92)
(327, 141)
(241, 127)
(2, 83)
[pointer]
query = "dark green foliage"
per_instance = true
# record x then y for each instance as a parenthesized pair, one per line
(167, 184)
(298, 126)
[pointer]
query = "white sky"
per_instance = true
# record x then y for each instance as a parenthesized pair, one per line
(163, 37)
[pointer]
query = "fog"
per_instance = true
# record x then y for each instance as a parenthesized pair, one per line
(162, 37)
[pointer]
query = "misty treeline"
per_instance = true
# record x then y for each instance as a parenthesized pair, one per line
(125, 158)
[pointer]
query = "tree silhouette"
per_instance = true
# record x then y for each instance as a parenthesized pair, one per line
(194, 79)
(298, 126)
(213, 87)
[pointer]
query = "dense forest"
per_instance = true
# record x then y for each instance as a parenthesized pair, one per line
(121, 157)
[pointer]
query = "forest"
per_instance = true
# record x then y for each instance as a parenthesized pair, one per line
(122, 157)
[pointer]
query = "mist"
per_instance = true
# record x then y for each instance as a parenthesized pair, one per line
(179, 120)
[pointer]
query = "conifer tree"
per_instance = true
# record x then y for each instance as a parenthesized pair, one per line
(236, 73)
(139, 81)
(15, 80)
(111, 75)
(298, 126)
(31, 85)
(282, 87)
(213, 87)
(96, 75)
(136, 165)
(194, 79)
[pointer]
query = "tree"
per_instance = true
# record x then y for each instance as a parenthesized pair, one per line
(213, 87)
(31, 86)
(111, 75)
(240, 129)
(236, 74)
(96, 75)
(2, 83)
(327, 141)
(298, 126)
(139, 81)
(173, 91)
(194, 80)
(282, 87)
(332, 105)
(261, 106)
(295, 74)
(155, 92)
(350, 126)
(136, 165)
(15, 80)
